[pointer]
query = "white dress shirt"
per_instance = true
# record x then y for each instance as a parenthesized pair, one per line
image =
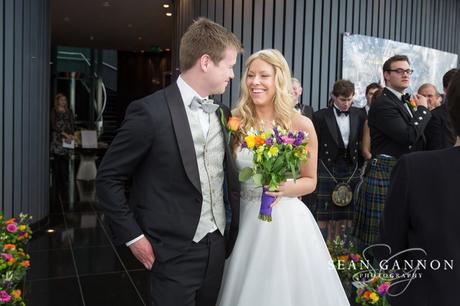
(343, 121)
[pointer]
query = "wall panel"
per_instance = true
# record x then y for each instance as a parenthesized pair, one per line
(24, 111)
(310, 32)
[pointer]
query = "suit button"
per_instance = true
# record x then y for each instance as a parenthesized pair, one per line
(354, 157)
(424, 112)
(329, 160)
(410, 147)
(325, 144)
(420, 118)
(327, 153)
(416, 123)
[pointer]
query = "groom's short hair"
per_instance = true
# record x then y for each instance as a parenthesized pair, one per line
(206, 37)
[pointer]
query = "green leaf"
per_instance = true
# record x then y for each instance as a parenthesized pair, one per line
(258, 179)
(245, 174)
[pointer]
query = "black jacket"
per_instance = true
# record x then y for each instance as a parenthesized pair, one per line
(329, 138)
(438, 132)
(422, 211)
(393, 131)
(154, 148)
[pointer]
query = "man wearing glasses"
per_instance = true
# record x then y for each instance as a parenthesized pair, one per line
(397, 123)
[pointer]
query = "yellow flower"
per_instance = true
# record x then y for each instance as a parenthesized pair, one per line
(250, 141)
(374, 297)
(22, 227)
(273, 151)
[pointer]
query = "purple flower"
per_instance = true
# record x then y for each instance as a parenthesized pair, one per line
(301, 135)
(297, 142)
(269, 141)
(383, 288)
(355, 257)
(7, 256)
(290, 135)
(12, 228)
(4, 296)
(244, 144)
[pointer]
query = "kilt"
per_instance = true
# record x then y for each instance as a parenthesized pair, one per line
(370, 199)
(323, 208)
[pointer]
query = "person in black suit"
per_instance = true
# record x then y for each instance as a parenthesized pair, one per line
(396, 125)
(438, 132)
(174, 219)
(305, 109)
(422, 211)
(339, 128)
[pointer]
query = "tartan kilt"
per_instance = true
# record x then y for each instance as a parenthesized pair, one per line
(370, 200)
(323, 208)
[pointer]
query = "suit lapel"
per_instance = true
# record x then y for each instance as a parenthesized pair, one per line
(398, 103)
(332, 124)
(183, 134)
(353, 125)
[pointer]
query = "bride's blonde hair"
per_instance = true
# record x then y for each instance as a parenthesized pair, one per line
(282, 100)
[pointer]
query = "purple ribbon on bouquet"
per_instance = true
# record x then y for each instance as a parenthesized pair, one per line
(266, 201)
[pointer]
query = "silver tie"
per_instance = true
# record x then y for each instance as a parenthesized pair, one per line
(207, 105)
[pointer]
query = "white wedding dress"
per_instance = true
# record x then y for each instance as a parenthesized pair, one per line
(280, 263)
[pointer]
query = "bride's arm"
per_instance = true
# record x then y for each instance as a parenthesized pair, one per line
(306, 184)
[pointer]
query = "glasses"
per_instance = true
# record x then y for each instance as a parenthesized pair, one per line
(402, 71)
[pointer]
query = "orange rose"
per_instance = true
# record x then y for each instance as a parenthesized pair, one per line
(233, 123)
(259, 141)
(16, 294)
(25, 263)
(9, 246)
(343, 258)
(413, 103)
(367, 294)
(10, 221)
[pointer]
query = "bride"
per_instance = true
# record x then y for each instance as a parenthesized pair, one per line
(286, 261)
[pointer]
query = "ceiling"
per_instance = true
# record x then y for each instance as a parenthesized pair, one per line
(132, 25)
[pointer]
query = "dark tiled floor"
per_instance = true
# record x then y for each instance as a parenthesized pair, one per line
(76, 263)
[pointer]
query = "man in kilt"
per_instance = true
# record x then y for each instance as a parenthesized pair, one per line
(339, 128)
(397, 123)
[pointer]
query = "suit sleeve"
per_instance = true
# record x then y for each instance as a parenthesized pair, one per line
(395, 223)
(434, 134)
(127, 150)
(316, 123)
(387, 118)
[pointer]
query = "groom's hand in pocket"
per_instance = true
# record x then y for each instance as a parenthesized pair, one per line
(143, 251)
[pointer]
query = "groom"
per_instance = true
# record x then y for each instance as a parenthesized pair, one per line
(172, 147)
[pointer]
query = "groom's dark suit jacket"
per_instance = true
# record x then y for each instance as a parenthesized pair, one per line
(154, 150)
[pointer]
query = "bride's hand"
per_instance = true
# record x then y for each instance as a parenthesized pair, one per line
(284, 190)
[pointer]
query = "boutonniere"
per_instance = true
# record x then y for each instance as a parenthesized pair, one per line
(231, 126)
(410, 101)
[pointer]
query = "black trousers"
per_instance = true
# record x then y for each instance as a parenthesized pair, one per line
(192, 279)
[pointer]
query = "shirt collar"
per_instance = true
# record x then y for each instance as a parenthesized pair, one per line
(395, 92)
(186, 91)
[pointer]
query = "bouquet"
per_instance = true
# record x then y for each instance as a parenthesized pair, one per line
(277, 156)
(345, 259)
(373, 291)
(14, 261)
